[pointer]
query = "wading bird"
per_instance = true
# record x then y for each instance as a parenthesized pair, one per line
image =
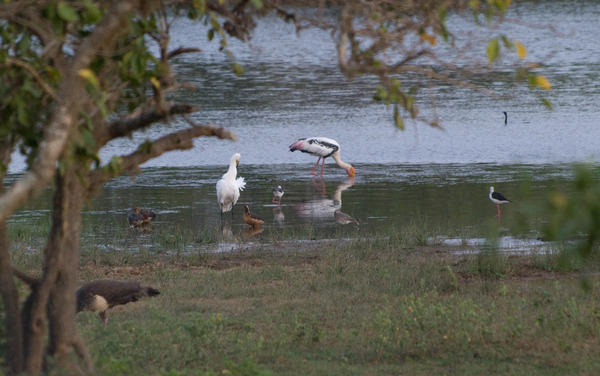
(102, 294)
(252, 219)
(497, 199)
(229, 187)
(322, 147)
(277, 194)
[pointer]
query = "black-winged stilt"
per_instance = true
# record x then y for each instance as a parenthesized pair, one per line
(498, 199)
(277, 194)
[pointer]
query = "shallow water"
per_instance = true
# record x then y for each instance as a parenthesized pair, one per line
(420, 177)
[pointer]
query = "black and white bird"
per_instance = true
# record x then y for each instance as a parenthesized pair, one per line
(322, 147)
(498, 199)
(102, 294)
(277, 194)
(229, 186)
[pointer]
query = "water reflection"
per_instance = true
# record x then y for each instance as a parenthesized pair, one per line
(322, 209)
(278, 216)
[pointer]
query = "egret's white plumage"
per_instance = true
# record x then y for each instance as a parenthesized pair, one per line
(229, 186)
(322, 147)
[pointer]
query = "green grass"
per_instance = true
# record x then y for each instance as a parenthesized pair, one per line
(379, 306)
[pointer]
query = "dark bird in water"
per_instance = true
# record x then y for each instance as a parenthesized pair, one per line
(140, 217)
(343, 218)
(498, 199)
(252, 219)
(322, 147)
(102, 294)
(505, 117)
(277, 194)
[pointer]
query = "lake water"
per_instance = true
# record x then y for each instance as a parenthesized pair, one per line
(437, 179)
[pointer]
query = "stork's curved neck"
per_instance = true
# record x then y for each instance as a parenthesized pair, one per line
(342, 164)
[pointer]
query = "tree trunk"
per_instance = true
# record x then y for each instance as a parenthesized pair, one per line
(54, 299)
(8, 288)
(63, 246)
(10, 297)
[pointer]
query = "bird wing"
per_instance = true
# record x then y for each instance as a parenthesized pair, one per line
(318, 146)
(241, 183)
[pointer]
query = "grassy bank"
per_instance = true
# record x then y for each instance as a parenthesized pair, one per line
(357, 308)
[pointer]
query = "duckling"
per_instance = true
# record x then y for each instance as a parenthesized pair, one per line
(252, 219)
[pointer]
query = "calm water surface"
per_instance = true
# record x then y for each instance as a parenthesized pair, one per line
(437, 179)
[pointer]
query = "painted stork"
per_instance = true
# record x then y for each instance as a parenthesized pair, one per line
(229, 187)
(102, 294)
(322, 147)
(252, 219)
(497, 199)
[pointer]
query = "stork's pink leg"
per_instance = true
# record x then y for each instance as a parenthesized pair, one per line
(322, 167)
(316, 164)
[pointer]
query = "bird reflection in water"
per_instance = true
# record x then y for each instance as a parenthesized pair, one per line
(252, 231)
(278, 217)
(324, 207)
(343, 218)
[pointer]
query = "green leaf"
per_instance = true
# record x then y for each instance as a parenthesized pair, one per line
(258, 4)
(546, 103)
(238, 69)
(66, 12)
(493, 50)
(92, 14)
(398, 121)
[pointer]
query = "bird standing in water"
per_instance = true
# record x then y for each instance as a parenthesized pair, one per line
(322, 147)
(252, 219)
(277, 195)
(229, 186)
(498, 199)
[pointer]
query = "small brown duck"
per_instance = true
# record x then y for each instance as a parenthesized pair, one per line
(102, 294)
(343, 218)
(252, 219)
(140, 217)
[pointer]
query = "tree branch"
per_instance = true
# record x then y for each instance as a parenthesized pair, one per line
(180, 140)
(57, 132)
(125, 126)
